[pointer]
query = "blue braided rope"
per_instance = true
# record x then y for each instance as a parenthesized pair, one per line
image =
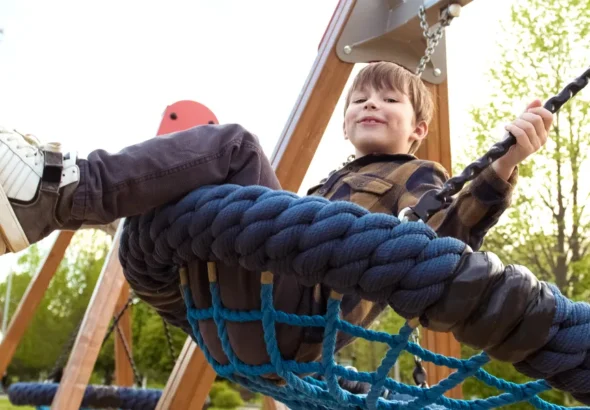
(95, 397)
(343, 246)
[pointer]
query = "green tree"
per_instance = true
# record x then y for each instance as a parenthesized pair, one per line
(62, 306)
(542, 49)
(152, 351)
(52, 330)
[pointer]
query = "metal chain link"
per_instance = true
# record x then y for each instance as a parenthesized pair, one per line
(169, 341)
(129, 356)
(435, 200)
(432, 39)
(118, 317)
(419, 373)
(55, 373)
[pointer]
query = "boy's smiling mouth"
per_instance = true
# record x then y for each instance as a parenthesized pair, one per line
(371, 120)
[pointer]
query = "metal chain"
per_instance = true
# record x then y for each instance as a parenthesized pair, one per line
(435, 200)
(129, 356)
(55, 373)
(118, 317)
(419, 373)
(432, 39)
(169, 341)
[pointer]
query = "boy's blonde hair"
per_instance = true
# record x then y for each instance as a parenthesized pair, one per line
(387, 75)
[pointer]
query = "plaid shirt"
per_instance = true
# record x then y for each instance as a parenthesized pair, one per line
(390, 183)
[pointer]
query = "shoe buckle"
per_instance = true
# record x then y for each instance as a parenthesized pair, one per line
(53, 167)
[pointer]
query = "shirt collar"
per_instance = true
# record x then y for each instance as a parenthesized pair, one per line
(371, 158)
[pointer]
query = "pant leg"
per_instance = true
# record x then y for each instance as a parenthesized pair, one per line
(163, 169)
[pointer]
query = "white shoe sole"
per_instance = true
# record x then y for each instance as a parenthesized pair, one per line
(12, 237)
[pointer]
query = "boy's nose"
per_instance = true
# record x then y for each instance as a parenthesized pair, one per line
(370, 104)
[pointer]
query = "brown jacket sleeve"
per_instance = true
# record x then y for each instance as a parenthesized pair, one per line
(473, 211)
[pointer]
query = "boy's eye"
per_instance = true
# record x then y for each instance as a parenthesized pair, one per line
(390, 100)
(360, 100)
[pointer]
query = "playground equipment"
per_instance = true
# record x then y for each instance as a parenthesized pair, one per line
(348, 39)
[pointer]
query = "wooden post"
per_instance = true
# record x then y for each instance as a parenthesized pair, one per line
(314, 107)
(271, 404)
(190, 381)
(123, 370)
(437, 147)
(92, 332)
(31, 299)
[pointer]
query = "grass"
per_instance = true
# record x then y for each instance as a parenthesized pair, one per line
(5, 405)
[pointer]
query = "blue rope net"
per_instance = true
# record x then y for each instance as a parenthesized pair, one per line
(318, 240)
(308, 392)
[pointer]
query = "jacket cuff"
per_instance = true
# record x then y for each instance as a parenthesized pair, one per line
(490, 183)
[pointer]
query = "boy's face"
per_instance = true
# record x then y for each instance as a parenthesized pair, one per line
(381, 122)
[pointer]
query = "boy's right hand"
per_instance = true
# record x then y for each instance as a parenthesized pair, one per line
(531, 130)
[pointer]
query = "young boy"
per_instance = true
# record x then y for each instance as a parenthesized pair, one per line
(387, 113)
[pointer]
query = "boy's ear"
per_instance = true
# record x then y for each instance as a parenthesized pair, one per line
(420, 131)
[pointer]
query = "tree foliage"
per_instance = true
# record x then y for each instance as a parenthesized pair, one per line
(52, 330)
(62, 306)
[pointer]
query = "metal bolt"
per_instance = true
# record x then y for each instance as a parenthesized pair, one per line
(347, 49)
(455, 10)
(437, 72)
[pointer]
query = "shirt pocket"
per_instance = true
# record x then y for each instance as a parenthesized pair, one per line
(366, 191)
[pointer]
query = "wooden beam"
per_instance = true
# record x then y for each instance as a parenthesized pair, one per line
(92, 332)
(190, 381)
(313, 109)
(123, 369)
(271, 404)
(30, 301)
(437, 147)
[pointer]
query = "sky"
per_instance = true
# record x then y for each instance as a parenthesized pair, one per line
(100, 74)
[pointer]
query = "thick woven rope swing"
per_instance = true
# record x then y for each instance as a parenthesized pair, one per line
(349, 250)
(95, 397)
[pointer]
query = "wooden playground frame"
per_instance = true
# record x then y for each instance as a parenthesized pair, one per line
(192, 377)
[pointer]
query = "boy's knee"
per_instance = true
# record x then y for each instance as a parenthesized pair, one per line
(246, 135)
(228, 134)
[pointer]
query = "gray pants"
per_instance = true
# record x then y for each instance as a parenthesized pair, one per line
(164, 169)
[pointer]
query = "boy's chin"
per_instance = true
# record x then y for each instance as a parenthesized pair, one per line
(375, 148)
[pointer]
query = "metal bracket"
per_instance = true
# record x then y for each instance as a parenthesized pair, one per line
(389, 30)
